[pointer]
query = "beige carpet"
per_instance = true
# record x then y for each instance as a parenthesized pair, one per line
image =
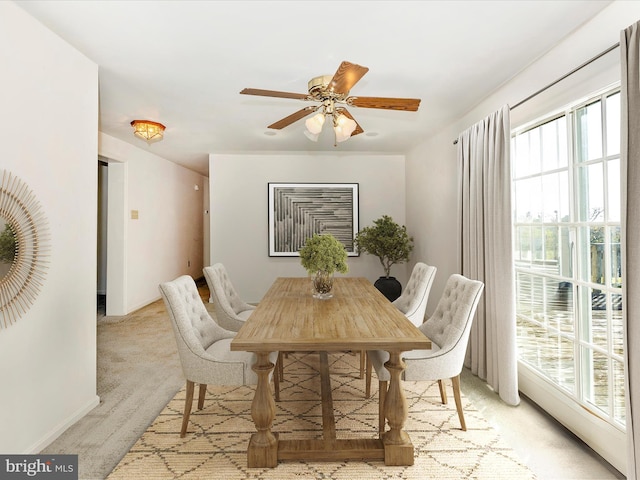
(218, 435)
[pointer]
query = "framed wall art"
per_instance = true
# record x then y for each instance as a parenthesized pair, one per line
(298, 210)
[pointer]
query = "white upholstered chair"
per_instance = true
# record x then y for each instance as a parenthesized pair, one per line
(448, 329)
(413, 301)
(203, 345)
(230, 310)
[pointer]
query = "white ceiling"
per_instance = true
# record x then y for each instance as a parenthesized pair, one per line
(183, 63)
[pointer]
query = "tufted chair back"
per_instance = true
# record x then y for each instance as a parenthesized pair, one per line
(194, 329)
(413, 301)
(450, 325)
(231, 312)
(448, 329)
(204, 346)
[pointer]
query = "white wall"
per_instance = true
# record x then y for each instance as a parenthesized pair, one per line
(48, 138)
(432, 166)
(238, 191)
(432, 209)
(167, 238)
(432, 172)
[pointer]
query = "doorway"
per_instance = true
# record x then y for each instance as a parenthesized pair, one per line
(103, 193)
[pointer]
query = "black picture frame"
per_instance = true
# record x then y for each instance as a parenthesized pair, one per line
(298, 210)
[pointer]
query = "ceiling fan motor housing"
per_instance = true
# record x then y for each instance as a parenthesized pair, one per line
(319, 88)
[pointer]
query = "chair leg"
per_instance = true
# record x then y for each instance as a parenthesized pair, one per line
(187, 408)
(443, 392)
(201, 395)
(280, 370)
(363, 354)
(382, 396)
(456, 394)
(276, 377)
(367, 389)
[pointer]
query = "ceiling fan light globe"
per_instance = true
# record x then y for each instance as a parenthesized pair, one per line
(343, 128)
(341, 134)
(345, 125)
(350, 126)
(315, 123)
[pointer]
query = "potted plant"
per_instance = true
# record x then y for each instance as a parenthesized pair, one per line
(321, 256)
(391, 244)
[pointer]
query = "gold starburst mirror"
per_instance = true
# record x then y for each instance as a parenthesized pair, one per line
(24, 245)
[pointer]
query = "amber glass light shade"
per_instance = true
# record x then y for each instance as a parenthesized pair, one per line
(147, 130)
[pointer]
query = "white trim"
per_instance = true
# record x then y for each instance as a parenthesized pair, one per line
(137, 307)
(117, 239)
(605, 439)
(63, 426)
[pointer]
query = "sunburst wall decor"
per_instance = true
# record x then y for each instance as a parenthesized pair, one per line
(24, 248)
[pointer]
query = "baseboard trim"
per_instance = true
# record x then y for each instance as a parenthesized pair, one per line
(63, 426)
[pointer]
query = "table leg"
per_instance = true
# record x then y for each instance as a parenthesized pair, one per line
(263, 446)
(398, 449)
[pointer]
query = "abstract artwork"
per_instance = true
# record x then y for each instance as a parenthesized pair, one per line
(298, 210)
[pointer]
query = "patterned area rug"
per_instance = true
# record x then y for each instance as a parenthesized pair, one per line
(218, 435)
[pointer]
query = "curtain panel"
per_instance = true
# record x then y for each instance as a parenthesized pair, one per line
(630, 175)
(486, 251)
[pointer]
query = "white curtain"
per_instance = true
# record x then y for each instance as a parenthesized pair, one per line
(485, 223)
(630, 153)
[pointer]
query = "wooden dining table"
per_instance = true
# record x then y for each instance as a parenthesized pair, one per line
(357, 318)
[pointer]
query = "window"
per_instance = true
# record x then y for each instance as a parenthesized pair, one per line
(566, 183)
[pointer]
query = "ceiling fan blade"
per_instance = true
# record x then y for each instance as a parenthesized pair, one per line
(347, 75)
(358, 130)
(406, 104)
(294, 117)
(273, 93)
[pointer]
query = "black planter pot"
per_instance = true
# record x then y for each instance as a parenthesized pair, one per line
(389, 286)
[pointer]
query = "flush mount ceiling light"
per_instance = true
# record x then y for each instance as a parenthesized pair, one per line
(147, 130)
(333, 90)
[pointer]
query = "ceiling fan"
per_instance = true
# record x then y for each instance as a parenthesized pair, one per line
(332, 91)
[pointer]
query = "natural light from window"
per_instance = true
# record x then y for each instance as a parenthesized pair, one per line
(566, 183)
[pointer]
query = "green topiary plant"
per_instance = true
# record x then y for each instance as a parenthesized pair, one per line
(7, 245)
(386, 240)
(321, 256)
(324, 253)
